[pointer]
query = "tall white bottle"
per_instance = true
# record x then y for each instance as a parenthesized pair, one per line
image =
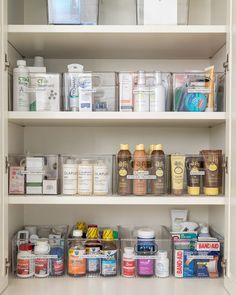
(70, 177)
(21, 98)
(100, 178)
(158, 95)
(141, 94)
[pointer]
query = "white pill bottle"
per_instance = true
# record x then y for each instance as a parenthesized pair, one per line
(162, 264)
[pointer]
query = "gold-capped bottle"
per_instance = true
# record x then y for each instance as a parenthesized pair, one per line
(158, 170)
(124, 169)
(140, 171)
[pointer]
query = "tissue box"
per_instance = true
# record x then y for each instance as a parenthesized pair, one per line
(45, 92)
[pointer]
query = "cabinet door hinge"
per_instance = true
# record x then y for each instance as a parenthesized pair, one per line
(226, 165)
(224, 266)
(6, 164)
(7, 266)
(226, 64)
(7, 63)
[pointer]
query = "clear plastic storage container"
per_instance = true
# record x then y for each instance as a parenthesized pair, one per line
(80, 12)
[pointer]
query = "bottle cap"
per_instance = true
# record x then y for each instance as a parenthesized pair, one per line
(158, 147)
(124, 147)
(77, 233)
(21, 63)
(158, 77)
(162, 253)
(151, 148)
(70, 161)
(92, 232)
(107, 234)
(75, 68)
(139, 147)
(204, 230)
(129, 250)
(81, 226)
(26, 247)
(146, 233)
(115, 235)
(38, 61)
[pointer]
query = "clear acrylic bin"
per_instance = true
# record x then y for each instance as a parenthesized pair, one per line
(81, 12)
(145, 91)
(198, 92)
(196, 256)
(33, 174)
(156, 12)
(86, 175)
(195, 175)
(93, 258)
(145, 260)
(142, 176)
(31, 259)
(90, 91)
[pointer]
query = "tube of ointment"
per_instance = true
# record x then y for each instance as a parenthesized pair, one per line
(210, 71)
(193, 165)
(177, 174)
(177, 218)
(213, 171)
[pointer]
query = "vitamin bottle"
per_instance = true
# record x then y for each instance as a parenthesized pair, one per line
(25, 261)
(76, 262)
(158, 170)
(141, 94)
(158, 95)
(124, 169)
(146, 247)
(57, 264)
(85, 178)
(109, 249)
(140, 171)
(42, 264)
(100, 178)
(21, 98)
(70, 177)
(162, 264)
(128, 262)
(93, 247)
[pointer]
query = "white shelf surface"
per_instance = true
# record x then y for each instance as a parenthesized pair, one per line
(132, 42)
(181, 119)
(114, 200)
(116, 286)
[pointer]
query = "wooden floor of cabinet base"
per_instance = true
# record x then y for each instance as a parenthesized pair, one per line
(115, 286)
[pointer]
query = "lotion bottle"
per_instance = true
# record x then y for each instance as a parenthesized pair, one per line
(85, 178)
(70, 177)
(100, 178)
(158, 95)
(141, 94)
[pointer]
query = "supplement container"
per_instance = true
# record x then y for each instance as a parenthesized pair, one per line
(25, 261)
(162, 265)
(81, 12)
(42, 248)
(128, 263)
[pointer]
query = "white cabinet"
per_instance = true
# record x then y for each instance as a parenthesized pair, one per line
(167, 48)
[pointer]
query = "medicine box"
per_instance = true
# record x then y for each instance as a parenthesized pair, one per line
(45, 92)
(81, 12)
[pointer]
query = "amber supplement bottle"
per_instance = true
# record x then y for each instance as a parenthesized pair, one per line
(140, 171)
(158, 170)
(124, 169)
(109, 264)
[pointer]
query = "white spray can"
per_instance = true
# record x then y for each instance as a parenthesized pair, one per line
(21, 98)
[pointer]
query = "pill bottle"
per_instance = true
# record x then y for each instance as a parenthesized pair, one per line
(162, 264)
(128, 263)
(42, 262)
(25, 262)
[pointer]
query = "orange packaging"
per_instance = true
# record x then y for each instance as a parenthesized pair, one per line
(76, 264)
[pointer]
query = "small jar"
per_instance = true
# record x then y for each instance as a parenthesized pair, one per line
(128, 263)
(146, 247)
(25, 261)
(42, 263)
(162, 264)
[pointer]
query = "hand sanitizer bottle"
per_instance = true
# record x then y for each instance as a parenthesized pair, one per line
(141, 94)
(158, 95)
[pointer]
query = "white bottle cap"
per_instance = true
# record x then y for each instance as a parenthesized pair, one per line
(75, 68)
(85, 161)
(129, 250)
(146, 233)
(38, 61)
(158, 77)
(70, 161)
(77, 233)
(162, 254)
(21, 63)
(204, 230)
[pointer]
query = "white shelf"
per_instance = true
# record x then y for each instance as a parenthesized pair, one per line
(116, 119)
(132, 42)
(116, 286)
(115, 200)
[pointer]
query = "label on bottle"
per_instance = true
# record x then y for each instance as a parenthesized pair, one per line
(24, 267)
(85, 179)
(76, 264)
(73, 95)
(57, 266)
(128, 267)
(145, 267)
(141, 101)
(109, 264)
(70, 179)
(162, 268)
(21, 91)
(101, 176)
(93, 264)
(41, 266)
